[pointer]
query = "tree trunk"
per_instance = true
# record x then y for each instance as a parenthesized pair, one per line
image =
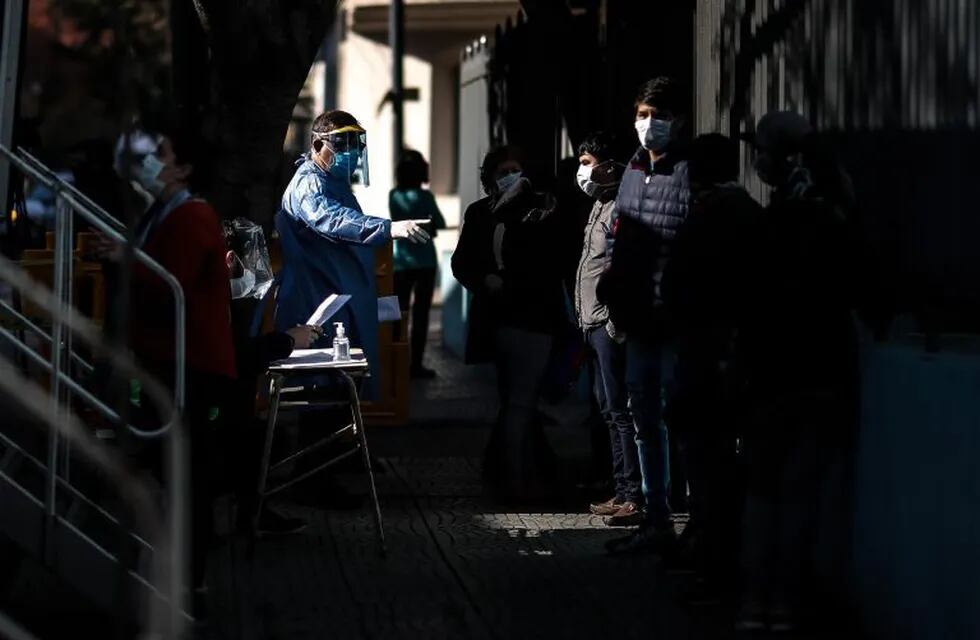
(260, 53)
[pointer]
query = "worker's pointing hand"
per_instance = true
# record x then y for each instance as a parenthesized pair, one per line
(410, 230)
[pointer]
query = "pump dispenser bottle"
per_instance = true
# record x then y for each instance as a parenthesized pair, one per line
(341, 344)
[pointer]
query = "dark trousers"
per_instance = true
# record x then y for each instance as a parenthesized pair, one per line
(610, 392)
(789, 448)
(518, 460)
(702, 419)
(422, 282)
(204, 413)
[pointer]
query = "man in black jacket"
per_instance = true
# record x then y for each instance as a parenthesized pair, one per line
(651, 206)
(798, 352)
(704, 293)
(253, 354)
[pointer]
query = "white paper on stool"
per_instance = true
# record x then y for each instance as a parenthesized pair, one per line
(389, 309)
(314, 358)
(331, 305)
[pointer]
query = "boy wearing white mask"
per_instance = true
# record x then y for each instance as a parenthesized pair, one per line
(598, 176)
(651, 206)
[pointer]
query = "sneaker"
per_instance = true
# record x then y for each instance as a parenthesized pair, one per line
(274, 524)
(422, 373)
(628, 515)
(607, 508)
(649, 538)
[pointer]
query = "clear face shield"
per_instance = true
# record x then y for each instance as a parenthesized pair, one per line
(251, 275)
(349, 146)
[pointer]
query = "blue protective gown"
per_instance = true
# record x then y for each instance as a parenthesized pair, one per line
(328, 247)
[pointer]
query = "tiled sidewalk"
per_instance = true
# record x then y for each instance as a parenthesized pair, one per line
(457, 566)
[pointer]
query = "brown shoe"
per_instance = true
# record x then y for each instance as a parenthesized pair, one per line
(629, 514)
(607, 508)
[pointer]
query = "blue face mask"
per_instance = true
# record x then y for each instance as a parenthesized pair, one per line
(345, 164)
(657, 136)
(506, 182)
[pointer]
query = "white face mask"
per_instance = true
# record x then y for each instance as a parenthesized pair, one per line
(148, 175)
(656, 139)
(642, 127)
(508, 181)
(584, 178)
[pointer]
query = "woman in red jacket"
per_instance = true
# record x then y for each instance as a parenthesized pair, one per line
(184, 235)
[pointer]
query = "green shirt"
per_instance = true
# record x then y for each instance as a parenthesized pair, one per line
(415, 204)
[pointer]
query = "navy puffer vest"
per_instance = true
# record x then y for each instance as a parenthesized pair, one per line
(650, 208)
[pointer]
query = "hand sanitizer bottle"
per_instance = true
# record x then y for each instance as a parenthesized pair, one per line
(341, 345)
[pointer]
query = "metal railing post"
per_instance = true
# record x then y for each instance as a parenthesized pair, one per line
(68, 251)
(10, 41)
(57, 342)
(179, 452)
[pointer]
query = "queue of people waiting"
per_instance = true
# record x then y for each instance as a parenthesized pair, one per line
(676, 259)
(711, 320)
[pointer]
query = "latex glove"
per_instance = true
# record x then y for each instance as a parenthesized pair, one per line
(410, 230)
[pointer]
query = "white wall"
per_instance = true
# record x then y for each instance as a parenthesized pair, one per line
(364, 77)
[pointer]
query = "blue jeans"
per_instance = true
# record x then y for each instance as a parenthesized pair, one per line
(613, 400)
(643, 383)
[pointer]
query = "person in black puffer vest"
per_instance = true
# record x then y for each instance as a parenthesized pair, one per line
(651, 206)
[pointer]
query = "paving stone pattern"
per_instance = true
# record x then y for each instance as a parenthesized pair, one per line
(455, 568)
(458, 566)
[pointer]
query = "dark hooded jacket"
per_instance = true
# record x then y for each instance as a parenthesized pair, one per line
(509, 237)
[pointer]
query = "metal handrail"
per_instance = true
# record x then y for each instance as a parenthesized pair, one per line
(67, 486)
(177, 452)
(31, 397)
(65, 379)
(51, 176)
(66, 322)
(12, 631)
(24, 320)
(95, 217)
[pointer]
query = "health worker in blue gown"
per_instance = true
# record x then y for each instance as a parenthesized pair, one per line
(327, 242)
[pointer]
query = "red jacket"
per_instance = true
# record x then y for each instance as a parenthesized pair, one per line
(189, 244)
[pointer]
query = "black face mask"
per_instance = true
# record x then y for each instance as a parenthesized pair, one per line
(608, 174)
